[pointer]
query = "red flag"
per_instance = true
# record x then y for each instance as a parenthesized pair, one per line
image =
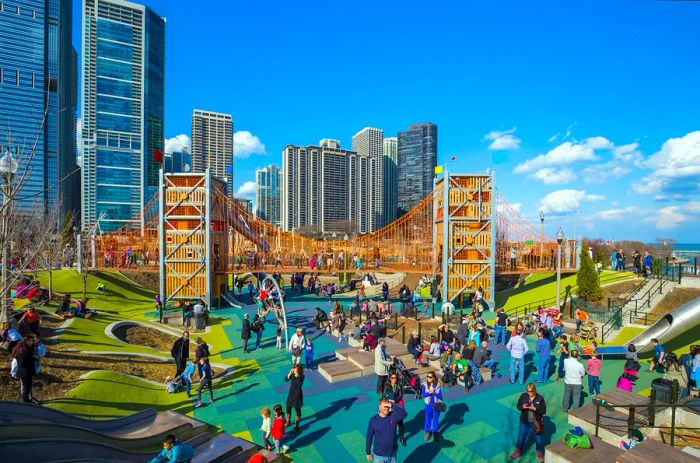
(453, 158)
(157, 155)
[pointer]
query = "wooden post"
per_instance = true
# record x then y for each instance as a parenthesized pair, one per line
(419, 330)
(630, 422)
(403, 334)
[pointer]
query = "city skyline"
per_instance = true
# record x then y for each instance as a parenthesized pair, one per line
(502, 97)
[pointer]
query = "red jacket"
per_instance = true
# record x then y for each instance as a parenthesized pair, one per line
(277, 431)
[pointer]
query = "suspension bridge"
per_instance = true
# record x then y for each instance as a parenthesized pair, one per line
(464, 232)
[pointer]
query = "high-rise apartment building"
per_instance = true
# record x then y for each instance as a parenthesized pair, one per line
(268, 194)
(123, 92)
(390, 161)
(37, 77)
(369, 143)
(319, 187)
(417, 158)
(212, 145)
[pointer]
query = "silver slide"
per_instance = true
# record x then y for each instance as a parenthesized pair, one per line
(671, 325)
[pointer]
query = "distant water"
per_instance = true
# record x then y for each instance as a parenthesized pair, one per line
(687, 246)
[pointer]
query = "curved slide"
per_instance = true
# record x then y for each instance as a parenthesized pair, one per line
(231, 300)
(671, 325)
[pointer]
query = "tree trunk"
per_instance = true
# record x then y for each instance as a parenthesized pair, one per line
(50, 282)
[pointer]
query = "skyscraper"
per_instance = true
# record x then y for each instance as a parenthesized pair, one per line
(368, 143)
(212, 145)
(37, 76)
(316, 188)
(123, 85)
(390, 178)
(268, 194)
(417, 158)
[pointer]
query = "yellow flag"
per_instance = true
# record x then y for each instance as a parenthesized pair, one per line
(438, 170)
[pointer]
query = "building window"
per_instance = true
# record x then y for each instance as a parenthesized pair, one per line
(1, 75)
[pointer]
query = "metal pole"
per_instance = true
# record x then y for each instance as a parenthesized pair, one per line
(5, 290)
(559, 275)
(492, 259)
(161, 239)
(542, 240)
(445, 236)
(207, 237)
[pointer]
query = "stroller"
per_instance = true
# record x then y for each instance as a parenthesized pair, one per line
(407, 380)
(533, 324)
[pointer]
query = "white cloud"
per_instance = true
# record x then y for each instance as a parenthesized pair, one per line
(245, 144)
(601, 173)
(667, 217)
(565, 154)
(247, 191)
(617, 214)
(177, 143)
(676, 167)
(628, 153)
(553, 176)
(503, 140)
(564, 201)
(553, 138)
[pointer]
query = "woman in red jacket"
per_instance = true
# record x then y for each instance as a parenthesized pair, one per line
(532, 410)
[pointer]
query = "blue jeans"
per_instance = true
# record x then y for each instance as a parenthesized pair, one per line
(378, 459)
(432, 418)
(543, 369)
(500, 333)
(490, 363)
(309, 362)
(524, 433)
(560, 373)
(476, 372)
(520, 364)
(557, 331)
(188, 385)
(594, 384)
(258, 338)
(415, 353)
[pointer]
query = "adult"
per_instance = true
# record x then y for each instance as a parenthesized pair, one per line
(385, 291)
(564, 354)
(297, 344)
(557, 324)
(532, 409)
(482, 356)
(199, 314)
(181, 352)
(581, 318)
(460, 369)
(544, 351)
(295, 396)
(201, 350)
(394, 392)
(9, 337)
(413, 346)
(245, 332)
(321, 319)
(463, 332)
(447, 335)
(573, 381)
(434, 351)
(64, 306)
(659, 355)
(173, 451)
(381, 432)
(518, 348)
(500, 327)
(676, 372)
(382, 363)
(648, 264)
(258, 327)
(432, 398)
(26, 357)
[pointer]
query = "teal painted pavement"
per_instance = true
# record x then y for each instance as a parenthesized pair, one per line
(480, 426)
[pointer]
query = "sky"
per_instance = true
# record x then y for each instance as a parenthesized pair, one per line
(587, 111)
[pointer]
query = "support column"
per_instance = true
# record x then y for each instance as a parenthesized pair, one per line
(492, 259)
(446, 246)
(161, 236)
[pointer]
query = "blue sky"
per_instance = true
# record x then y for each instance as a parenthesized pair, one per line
(588, 107)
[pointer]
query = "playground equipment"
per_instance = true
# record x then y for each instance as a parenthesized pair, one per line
(203, 235)
(671, 325)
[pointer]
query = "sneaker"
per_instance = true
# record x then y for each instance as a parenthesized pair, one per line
(199, 404)
(540, 456)
(426, 437)
(515, 455)
(285, 449)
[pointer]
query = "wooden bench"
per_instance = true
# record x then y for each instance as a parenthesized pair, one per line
(653, 451)
(559, 452)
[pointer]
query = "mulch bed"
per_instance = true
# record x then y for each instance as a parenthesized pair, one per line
(144, 336)
(675, 299)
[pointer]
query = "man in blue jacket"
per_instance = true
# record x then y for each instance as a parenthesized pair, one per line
(174, 452)
(544, 350)
(382, 432)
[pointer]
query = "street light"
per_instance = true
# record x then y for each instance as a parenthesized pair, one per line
(8, 169)
(560, 238)
(542, 239)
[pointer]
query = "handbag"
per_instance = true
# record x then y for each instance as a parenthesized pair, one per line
(539, 423)
(439, 405)
(296, 351)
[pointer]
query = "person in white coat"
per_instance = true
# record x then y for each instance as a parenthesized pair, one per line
(297, 344)
(382, 362)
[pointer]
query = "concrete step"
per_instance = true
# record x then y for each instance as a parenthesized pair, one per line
(339, 370)
(613, 424)
(364, 360)
(653, 451)
(558, 452)
(223, 447)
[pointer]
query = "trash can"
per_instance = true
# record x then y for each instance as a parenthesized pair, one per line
(199, 322)
(663, 390)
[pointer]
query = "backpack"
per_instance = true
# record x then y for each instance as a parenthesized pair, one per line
(577, 441)
(257, 326)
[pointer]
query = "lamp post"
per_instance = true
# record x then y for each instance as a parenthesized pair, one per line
(8, 169)
(560, 238)
(542, 239)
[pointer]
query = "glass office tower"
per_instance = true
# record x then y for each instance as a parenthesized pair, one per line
(37, 105)
(417, 158)
(123, 90)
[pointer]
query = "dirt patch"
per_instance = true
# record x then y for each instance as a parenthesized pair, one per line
(146, 278)
(144, 336)
(428, 326)
(619, 291)
(675, 299)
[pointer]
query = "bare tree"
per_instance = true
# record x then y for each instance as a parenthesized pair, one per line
(85, 260)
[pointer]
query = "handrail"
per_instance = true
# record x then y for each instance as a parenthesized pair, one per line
(651, 407)
(613, 323)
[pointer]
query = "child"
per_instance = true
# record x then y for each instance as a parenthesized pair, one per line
(101, 286)
(593, 367)
(635, 438)
(186, 378)
(266, 427)
(626, 380)
(309, 354)
(171, 385)
(279, 337)
(278, 425)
